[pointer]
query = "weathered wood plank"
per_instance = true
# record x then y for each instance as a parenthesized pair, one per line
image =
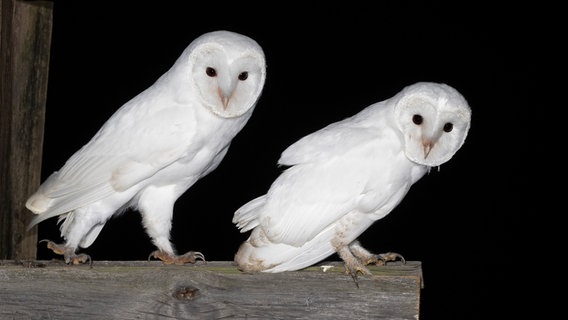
(151, 290)
(25, 28)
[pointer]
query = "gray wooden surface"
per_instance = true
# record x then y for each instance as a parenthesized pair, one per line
(212, 290)
(25, 42)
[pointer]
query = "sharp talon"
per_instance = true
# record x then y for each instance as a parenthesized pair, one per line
(197, 255)
(390, 256)
(167, 258)
(191, 257)
(56, 248)
(82, 258)
(49, 243)
(353, 271)
(353, 275)
(152, 255)
(68, 253)
(355, 279)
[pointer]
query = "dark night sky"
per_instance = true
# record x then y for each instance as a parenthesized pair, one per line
(324, 63)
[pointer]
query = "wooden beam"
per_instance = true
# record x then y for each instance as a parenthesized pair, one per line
(212, 290)
(24, 62)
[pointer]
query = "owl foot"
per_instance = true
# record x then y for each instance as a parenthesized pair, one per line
(383, 258)
(368, 258)
(68, 253)
(356, 258)
(168, 258)
(353, 265)
(354, 270)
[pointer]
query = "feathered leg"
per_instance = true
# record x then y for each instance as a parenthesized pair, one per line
(74, 234)
(157, 219)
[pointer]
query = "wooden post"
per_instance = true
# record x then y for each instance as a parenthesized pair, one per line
(25, 29)
(214, 290)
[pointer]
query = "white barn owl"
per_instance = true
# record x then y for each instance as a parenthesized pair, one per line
(344, 177)
(156, 146)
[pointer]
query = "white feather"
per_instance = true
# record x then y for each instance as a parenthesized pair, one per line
(158, 144)
(348, 175)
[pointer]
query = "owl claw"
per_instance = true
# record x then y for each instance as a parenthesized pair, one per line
(168, 258)
(383, 258)
(56, 248)
(355, 279)
(79, 259)
(68, 253)
(353, 264)
(353, 271)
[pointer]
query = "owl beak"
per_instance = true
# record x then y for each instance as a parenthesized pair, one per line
(427, 145)
(225, 92)
(224, 96)
(225, 101)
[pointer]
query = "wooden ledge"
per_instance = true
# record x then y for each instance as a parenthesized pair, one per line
(212, 290)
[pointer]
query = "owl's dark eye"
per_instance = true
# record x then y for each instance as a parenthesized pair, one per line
(417, 119)
(448, 127)
(243, 76)
(211, 72)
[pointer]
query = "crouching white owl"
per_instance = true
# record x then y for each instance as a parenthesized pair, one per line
(156, 146)
(344, 177)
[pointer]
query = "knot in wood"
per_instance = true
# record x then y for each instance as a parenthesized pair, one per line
(186, 293)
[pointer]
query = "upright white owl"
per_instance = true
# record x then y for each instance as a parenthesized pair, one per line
(156, 146)
(344, 177)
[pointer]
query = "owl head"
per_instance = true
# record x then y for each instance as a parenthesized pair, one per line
(226, 72)
(434, 119)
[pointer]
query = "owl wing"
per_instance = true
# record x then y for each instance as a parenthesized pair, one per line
(134, 144)
(326, 182)
(298, 209)
(333, 139)
(327, 142)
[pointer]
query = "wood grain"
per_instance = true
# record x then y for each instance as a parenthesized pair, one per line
(212, 290)
(25, 28)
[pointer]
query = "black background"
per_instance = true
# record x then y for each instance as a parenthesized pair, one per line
(325, 62)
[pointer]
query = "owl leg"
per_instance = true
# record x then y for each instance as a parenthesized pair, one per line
(367, 257)
(68, 253)
(353, 265)
(74, 234)
(157, 220)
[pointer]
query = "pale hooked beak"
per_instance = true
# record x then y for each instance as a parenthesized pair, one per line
(427, 145)
(225, 92)
(224, 99)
